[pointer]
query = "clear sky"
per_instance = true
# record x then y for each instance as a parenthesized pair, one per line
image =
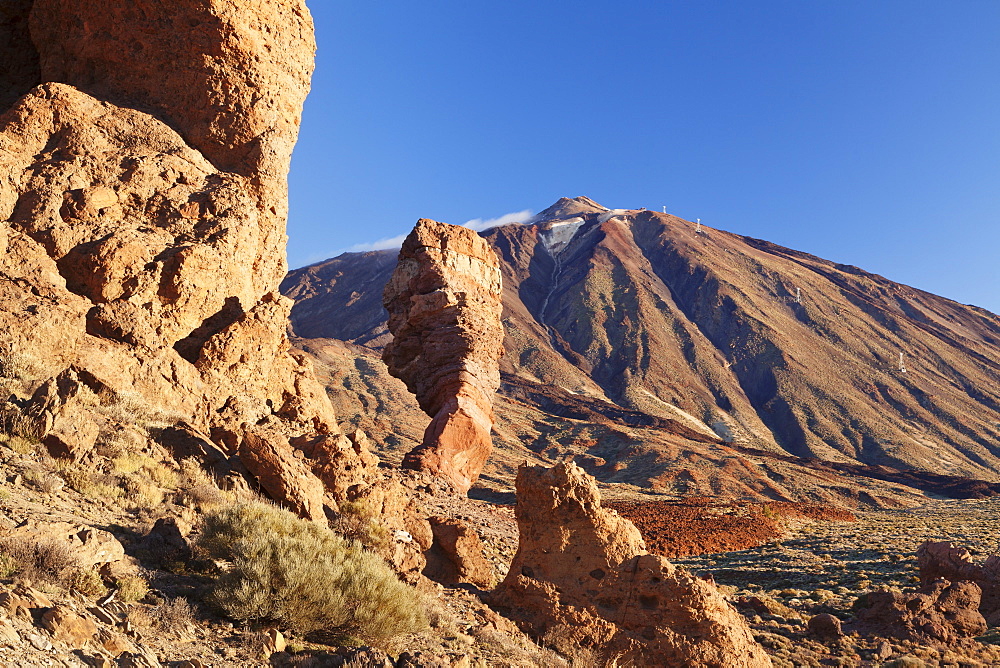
(863, 131)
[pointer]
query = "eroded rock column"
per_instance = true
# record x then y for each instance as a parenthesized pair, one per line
(582, 577)
(444, 313)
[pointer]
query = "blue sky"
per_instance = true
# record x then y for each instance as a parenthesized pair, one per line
(866, 132)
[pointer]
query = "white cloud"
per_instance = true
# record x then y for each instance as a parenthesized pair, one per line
(478, 224)
(381, 244)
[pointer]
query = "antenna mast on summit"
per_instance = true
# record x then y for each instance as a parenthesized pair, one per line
(664, 209)
(902, 367)
(697, 226)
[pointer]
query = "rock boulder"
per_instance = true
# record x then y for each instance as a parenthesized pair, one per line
(944, 560)
(941, 613)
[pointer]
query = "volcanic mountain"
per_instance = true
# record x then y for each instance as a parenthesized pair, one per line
(682, 358)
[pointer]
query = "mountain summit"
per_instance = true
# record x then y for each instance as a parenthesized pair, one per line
(570, 208)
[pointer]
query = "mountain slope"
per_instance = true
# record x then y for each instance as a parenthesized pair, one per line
(737, 339)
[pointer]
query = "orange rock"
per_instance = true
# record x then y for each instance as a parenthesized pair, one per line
(283, 475)
(582, 577)
(444, 313)
(457, 555)
(230, 76)
(69, 627)
(144, 149)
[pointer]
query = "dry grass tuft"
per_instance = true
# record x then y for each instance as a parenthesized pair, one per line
(198, 489)
(92, 485)
(87, 581)
(19, 365)
(304, 577)
(43, 561)
(357, 520)
(132, 588)
(175, 615)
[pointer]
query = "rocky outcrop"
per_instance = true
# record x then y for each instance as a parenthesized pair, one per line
(230, 77)
(457, 555)
(143, 194)
(444, 313)
(941, 613)
(947, 561)
(582, 576)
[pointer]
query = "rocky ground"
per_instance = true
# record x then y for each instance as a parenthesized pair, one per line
(170, 624)
(802, 567)
(824, 567)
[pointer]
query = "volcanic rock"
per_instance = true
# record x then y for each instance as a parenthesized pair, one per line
(581, 576)
(143, 160)
(457, 555)
(940, 613)
(944, 560)
(444, 313)
(825, 626)
(68, 626)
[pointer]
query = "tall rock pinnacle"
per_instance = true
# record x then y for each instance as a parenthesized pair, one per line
(444, 313)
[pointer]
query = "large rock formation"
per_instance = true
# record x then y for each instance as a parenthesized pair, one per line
(940, 613)
(143, 194)
(944, 560)
(444, 313)
(582, 576)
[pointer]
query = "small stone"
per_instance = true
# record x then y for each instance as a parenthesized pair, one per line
(40, 642)
(8, 635)
(825, 626)
(275, 641)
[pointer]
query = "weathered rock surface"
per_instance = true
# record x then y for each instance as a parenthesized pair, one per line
(231, 77)
(457, 555)
(68, 626)
(825, 626)
(941, 613)
(444, 313)
(582, 576)
(143, 160)
(945, 560)
(87, 545)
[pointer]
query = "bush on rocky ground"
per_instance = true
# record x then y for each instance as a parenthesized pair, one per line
(303, 577)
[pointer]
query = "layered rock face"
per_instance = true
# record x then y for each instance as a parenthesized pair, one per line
(444, 313)
(582, 576)
(143, 194)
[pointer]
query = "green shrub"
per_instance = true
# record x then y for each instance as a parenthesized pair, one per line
(304, 577)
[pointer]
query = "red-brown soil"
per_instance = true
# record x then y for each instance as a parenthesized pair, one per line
(697, 525)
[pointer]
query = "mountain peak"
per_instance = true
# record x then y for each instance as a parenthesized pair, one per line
(570, 208)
